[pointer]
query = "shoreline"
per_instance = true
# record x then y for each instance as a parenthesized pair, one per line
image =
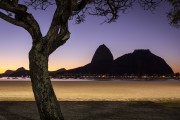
(19, 79)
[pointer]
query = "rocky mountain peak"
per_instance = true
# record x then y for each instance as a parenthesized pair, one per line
(102, 54)
(8, 72)
(139, 51)
(20, 69)
(141, 62)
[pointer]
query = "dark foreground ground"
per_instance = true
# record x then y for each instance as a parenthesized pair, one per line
(96, 110)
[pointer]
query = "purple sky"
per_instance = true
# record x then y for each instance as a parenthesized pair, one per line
(137, 29)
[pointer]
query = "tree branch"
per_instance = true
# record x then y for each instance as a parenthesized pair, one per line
(60, 39)
(12, 21)
(55, 24)
(174, 14)
(109, 8)
(60, 17)
(15, 2)
(12, 6)
(21, 17)
(149, 4)
(39, 4)
(80, 6)
(58, 32)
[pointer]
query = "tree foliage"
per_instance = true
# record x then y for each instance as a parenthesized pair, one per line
(110, 9)
(174, 14)
(78, 9)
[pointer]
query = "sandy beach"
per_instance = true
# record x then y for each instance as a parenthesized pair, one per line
(96, 100)
(95, 91)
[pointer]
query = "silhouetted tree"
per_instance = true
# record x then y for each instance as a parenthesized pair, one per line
(174, 14)
(15, 12)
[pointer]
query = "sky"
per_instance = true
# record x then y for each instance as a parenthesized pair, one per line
(137, 29)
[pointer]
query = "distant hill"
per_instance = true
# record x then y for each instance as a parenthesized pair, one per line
(7, 73)
(100, 63)
(53, 73)
(102, 54)
(140, 62)
(20, 72)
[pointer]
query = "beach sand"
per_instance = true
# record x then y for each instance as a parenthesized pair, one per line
(95, 91)
(96, 100)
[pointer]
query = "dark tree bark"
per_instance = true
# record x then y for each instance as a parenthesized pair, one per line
(43, 46)
(46, 100)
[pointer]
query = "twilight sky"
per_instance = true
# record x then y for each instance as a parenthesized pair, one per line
(137, 29)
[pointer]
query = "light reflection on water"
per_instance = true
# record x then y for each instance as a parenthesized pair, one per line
(28, 79)
(72, 79)
(94, 90)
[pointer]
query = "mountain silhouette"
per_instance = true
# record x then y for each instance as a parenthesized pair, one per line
(20, 72)
(7, 73)
(53, 73)
(140, 62)
(100, 64)
(102, 54)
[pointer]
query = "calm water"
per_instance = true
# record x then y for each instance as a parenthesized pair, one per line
(94, 90)
(71, 79)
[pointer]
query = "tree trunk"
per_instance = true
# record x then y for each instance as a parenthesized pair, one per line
(46, 100)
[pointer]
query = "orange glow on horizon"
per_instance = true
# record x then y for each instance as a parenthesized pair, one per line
(51, 67)
(2, 70)
(175, 67)
(176, 70)
(66, 66)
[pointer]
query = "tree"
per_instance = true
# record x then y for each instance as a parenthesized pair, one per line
(16, 12)
(174, 14)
